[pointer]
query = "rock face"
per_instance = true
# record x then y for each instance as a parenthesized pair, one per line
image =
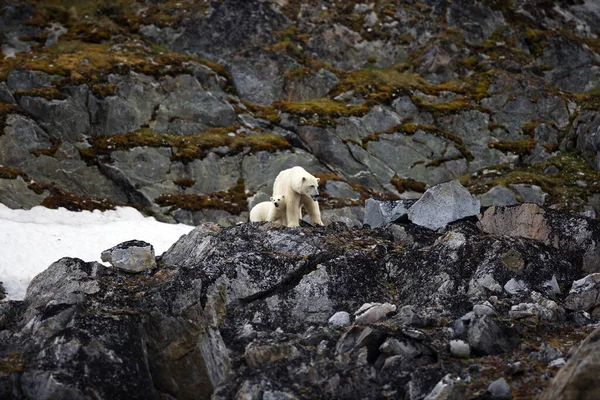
(230, 312)
(147, 104)
(132, 256)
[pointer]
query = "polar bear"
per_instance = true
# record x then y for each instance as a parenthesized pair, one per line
(272, 210)
(300, 190)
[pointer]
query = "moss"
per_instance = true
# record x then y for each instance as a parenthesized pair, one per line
(102, 90)
(5, 110)
(11, 173)
(11, 363)
(233, 200)
(73, 202)
(521, 147)
(48, 93)
(537, 40)
(47, 152)
(325, 109)
(408, 184)
(451, 107)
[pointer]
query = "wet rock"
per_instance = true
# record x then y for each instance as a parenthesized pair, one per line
(499, 389)
(131, 256)
(451, 202)
(577, 379)
(381, 212)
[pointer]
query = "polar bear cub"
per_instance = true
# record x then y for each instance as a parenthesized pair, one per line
(268, 210)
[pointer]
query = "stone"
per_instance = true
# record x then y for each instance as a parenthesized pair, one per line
(460, 349)
(442, 204)
(15, 194)
(583, 295)
(530, 193)
(577, 379)
(548, 353)
(341, 190)
(515, 286)
(483, 309)
(339, 319)
(447, 388)
(313, 86)
(497, 196)
(132, 256)
(349, 216)
(370, 313)
(500, 389)
(487, 337)
(382, 212)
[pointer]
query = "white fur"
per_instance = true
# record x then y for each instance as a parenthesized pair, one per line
(298, 187)
(268, 210)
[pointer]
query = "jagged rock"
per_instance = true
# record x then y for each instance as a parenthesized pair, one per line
(349, 216)
(131, 256)
(547, 353)
(573, 69)
(499, 389)
(585, 128)
(580, 241)
(2, 295)
(27, 80)
(583, 295)
(21, 136)
(451, 202)
(488, 337)
(381, 212)
(577, 379)
(476, 20)
(515, 286)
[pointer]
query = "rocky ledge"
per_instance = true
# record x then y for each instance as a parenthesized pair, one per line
(489, 306)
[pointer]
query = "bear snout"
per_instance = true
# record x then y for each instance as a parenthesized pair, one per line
(315, 197)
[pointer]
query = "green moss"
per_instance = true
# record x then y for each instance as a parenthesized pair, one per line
(233, 200)
(521, 147)
(451, 107)
(48, 93)
(325, 109)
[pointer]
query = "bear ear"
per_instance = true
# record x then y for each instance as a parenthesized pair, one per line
(282, 196)
(271, 199)
(318, 179)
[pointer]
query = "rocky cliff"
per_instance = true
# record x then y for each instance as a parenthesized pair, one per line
(145, 103)
(489, 306)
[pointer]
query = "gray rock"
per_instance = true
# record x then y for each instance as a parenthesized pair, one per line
(55, 30)
(404, 107)
(573, 68)
(350, 216)
(515, 286)
(370, 313)
(5, 95)
(189, 108)
(312, 86)
(576, 380)
(21, 136)
(339, 319)
(460, 349)
(487, 337)
(530, 193)
(497, 196)
(381, 212)
(27, 80)
(483, 309)
(341, 190)
(548, 353)
(66, 120)
(583, 295)
(131, 256)
(15, 194)
(500, 389)
(443, 204)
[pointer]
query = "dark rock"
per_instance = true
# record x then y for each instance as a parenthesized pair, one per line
(2, 293)
(499, 389)
(131, 256)
(488, 337)
(312, 86)
(27, 80)
(476, 20)
(15, 194)
(573, 68)
(497, 196)
(577, 379)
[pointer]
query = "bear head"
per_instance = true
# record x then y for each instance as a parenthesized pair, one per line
(278, 200)
(310, 187)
